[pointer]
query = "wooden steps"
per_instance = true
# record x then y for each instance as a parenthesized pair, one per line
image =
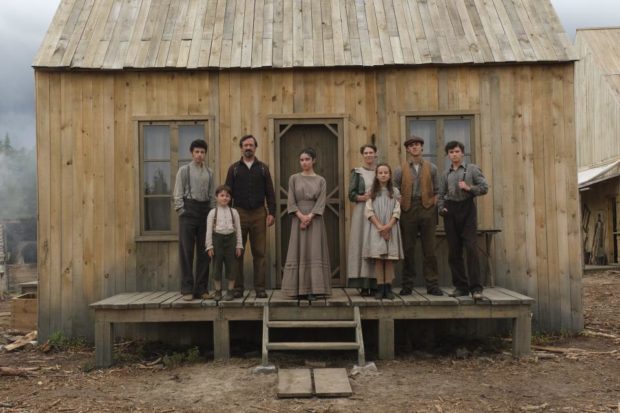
(325, 345)
(312, 324)
(354, 323)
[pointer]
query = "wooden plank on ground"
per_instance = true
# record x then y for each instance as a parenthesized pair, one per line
(294, 383)
(436, 300)
(332, 383)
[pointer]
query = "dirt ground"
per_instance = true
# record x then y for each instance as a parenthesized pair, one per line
(580, 374)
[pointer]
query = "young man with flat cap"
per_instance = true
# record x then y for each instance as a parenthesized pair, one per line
(417, 181)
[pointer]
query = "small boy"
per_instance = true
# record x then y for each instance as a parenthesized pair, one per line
(223, 241)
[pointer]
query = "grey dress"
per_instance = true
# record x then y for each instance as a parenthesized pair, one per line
(307, 269)
(384, 208)
(360, 272)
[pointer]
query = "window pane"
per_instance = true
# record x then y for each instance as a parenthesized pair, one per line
(426, 129)
(187, 134)
(156, 178)
(156, 142)
(157, 214)
(458, 130)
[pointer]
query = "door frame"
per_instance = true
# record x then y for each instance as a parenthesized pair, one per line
(300, 119)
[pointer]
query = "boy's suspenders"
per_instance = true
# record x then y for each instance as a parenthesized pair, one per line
(187, 184)
(232, 217)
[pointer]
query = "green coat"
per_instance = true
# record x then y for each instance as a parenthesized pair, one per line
(356, 186)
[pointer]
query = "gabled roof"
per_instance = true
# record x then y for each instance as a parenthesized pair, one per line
(604, 45)
(116, 34)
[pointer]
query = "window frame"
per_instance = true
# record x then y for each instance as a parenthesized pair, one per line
(173, 122)
(440, 117)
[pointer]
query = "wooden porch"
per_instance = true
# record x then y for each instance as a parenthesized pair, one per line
(166, 306)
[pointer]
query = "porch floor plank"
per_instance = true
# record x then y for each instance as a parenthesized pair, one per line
(436, 300)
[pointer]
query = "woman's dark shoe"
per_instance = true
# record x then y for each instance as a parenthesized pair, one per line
(388, 292)
(380, 291)
(365, 292)
(311, 297)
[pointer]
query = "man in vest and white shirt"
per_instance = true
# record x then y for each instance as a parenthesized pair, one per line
(418, 184)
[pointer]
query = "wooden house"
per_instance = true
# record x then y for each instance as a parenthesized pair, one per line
(123, 86)
(597, 104)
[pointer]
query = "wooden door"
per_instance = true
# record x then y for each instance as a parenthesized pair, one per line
(326, 137)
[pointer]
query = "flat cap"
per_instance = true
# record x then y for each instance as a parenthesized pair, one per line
(413, 139)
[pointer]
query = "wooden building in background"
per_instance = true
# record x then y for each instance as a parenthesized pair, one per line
(597, 103)
(123, 86)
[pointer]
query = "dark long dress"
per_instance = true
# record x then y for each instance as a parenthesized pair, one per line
(307, 269)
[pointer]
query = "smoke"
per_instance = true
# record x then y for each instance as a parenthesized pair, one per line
(18, 182)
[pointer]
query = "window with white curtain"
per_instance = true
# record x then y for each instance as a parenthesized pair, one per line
(439, 130)
(164, 147)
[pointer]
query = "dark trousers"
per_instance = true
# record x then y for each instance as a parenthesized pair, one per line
(422, 220)
(192, 233)
(224, 246)
(254, 225)
(460, 223)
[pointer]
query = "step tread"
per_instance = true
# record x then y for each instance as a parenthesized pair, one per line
(312, 324)
(313, 346)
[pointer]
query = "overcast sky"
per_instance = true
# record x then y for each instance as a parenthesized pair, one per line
(23, 24)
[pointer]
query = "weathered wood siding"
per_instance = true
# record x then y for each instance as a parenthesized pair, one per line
(597, 91)
(87, 166)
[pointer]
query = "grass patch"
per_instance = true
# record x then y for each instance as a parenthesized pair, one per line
(146, 352)
(59, 342)
(547, 339)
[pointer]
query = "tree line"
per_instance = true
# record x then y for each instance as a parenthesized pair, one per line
(18, 181)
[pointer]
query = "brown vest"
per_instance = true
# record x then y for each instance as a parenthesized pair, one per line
(426, 186)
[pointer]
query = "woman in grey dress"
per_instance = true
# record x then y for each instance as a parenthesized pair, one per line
(360, 272)
(307, 270)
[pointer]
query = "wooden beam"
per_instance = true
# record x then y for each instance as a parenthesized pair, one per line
(386, 339)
